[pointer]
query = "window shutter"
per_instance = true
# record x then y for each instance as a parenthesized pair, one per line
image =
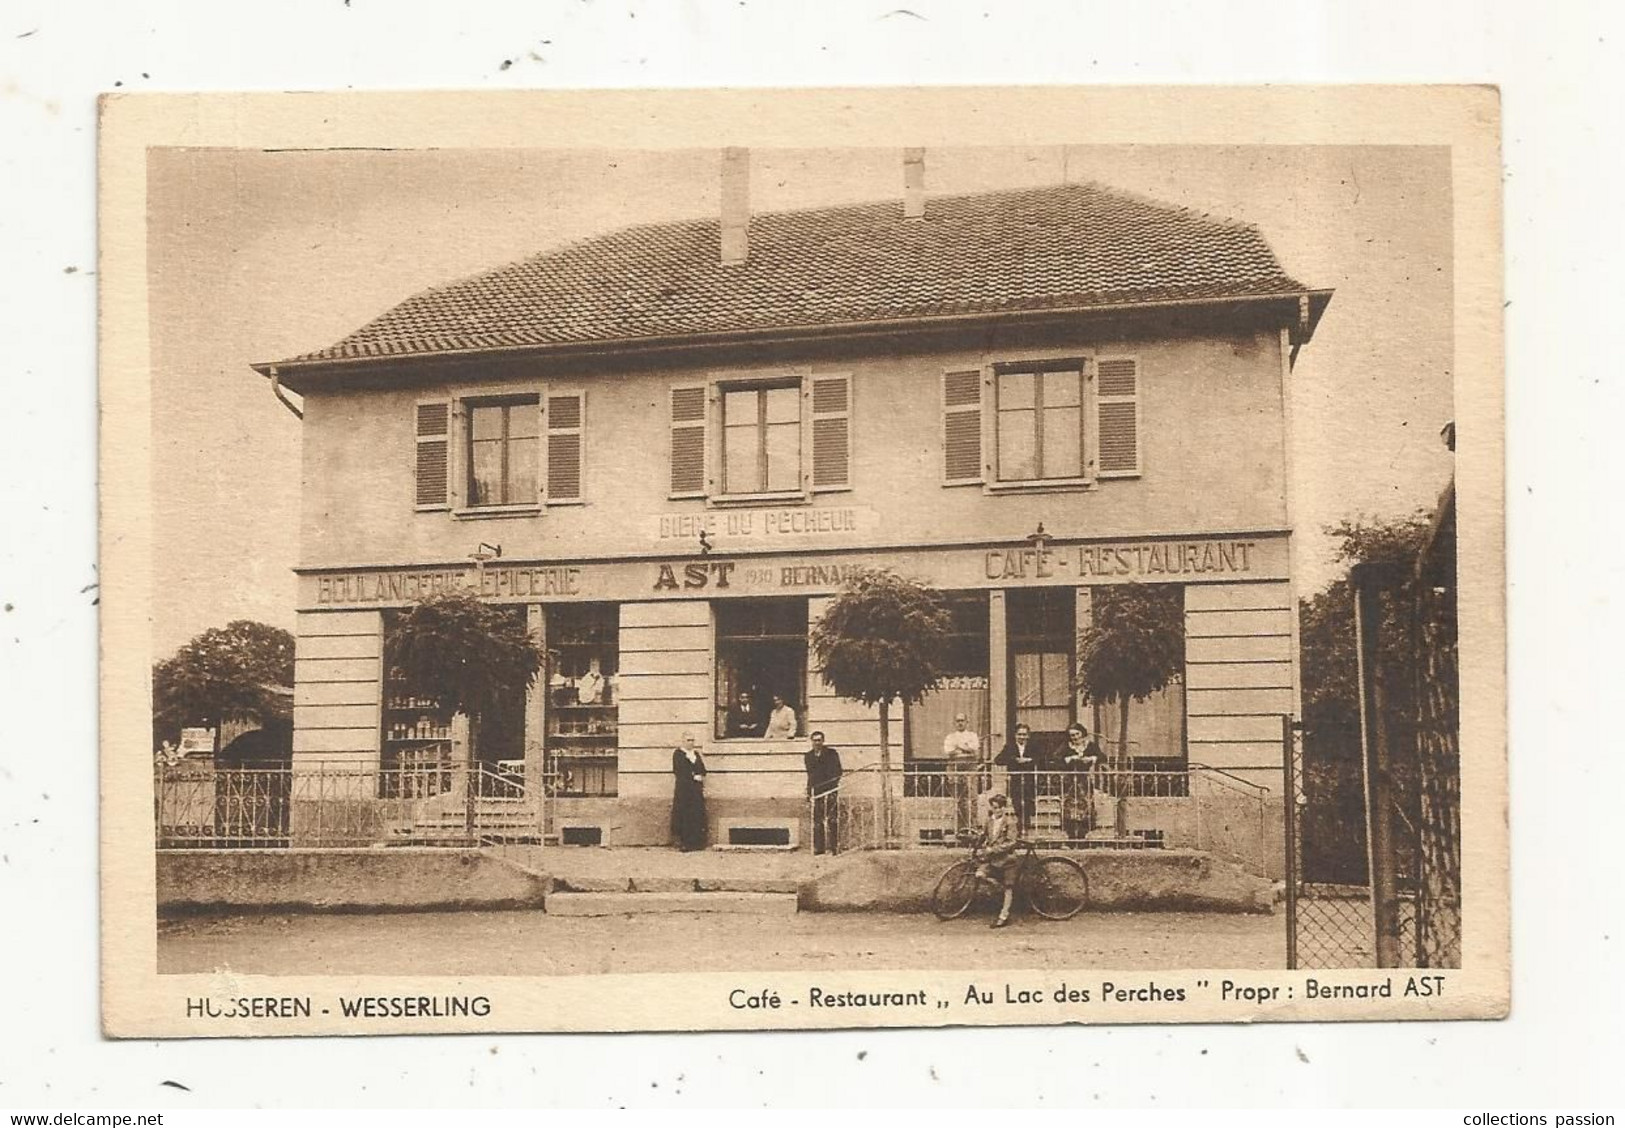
(1117, 410)
(566, 426)
(433, 475)
(831, 432)
(688, 410)
(962, 426)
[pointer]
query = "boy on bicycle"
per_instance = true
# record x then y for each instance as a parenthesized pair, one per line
(996, 852)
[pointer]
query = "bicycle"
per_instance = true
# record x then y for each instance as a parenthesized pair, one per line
(1056, 888)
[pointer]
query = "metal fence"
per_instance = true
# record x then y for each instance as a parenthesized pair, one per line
(1193, 807)
(323, 806)
(1436, 908)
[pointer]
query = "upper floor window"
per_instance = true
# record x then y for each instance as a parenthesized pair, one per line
(1040, 424)
(500, 452)
(503, 437)
(744, 438)
(761, 439)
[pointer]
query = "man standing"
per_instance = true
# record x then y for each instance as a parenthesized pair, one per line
(823, 789)
(962, 749)
(1021, 760)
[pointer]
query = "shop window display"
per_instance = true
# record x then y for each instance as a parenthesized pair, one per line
(582, 707)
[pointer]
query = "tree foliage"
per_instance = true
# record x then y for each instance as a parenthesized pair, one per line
(878, 642)
(1134, 644)
(1331, 696)
(225, 672)
(468, 655)
(881, 638)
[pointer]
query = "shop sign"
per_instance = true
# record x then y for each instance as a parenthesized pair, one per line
(1118, 561)
(1192, 560)
(757, 525)
(400, 586)
(196, 742)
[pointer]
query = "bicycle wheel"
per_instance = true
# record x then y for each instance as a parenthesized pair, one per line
(955, 891)
(1057, 888)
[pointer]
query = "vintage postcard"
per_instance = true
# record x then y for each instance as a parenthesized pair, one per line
(750, 559)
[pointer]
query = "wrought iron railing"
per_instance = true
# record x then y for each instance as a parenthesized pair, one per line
(324, 805)
(1192, 806)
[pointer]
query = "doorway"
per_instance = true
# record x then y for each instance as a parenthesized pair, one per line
(499, 742)
(1042, 625)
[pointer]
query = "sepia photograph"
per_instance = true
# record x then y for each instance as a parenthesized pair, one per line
(839, 575)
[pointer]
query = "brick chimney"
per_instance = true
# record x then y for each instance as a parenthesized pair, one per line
(735, 206)
(913, 183)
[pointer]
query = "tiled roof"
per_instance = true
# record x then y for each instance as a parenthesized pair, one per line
(1059, 247)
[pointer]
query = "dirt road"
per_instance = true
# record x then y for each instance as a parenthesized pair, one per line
(533, 943)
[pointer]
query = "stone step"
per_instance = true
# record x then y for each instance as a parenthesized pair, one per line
(615, 883)
(619, 904)
(480, 820)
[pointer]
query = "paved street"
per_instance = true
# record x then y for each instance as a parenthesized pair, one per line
(533, 943)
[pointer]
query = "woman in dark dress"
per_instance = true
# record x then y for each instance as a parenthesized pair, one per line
(1080, 761)
(688, 795)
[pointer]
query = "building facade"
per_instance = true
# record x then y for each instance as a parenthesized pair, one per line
(683, 438)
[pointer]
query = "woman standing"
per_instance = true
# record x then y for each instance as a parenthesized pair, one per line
(1079, 762)
(688, 795)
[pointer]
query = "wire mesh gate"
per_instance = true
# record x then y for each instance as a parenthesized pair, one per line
(1328, 889)
(1374, 813)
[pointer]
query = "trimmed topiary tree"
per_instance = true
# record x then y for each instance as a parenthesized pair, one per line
(465, 654)
(878, 642)
(1133, 647)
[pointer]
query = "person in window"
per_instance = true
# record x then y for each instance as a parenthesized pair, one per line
(1023, 761)
(823, 789)
(688, 795)
(995, 853)
(1080, 760)
(744, 719)
(590, 686)
(781, 721)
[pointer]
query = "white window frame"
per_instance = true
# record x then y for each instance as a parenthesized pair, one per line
(464, 440)
(990, 422)
(716, 435)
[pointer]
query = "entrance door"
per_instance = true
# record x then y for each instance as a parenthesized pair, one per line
(1043, 628)
(499, 744)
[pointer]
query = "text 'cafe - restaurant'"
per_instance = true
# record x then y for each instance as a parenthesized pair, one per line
(675, 507)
